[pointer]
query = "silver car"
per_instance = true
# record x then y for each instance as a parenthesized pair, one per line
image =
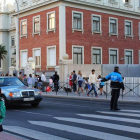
(15, 92)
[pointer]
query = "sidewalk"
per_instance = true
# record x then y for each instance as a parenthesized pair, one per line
(63, 94)
(8, 136)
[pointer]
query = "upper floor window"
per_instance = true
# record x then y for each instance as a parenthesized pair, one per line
(12, 41)
(36, 24)
(77, 20)
(128, 28)
(23, 27)
(51, 21)
(113, 26)
(96, 23)
(37, 57)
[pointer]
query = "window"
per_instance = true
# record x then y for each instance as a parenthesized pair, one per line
(1, 64)
(96, 56)
(139, 30)
(36, 24)
(77, 20)
(51, 56)
(23, 27)
(128, 28)
(113, 26)
(77, 55)
(96, 23)
(12, 41)
(51, 21)
(37, 57)
(24, 58)
(12, 61)
(12, 21)
(128, 57)
(113, 56)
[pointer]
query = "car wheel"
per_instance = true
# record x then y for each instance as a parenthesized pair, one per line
(3, 98)
(35, 104)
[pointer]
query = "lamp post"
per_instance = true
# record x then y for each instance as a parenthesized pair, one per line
(17, 50)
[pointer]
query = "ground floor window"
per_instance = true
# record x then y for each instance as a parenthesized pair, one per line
(77, 55)
(113, 56)
(51, 53)
(96, 56)
(37, 57)
(128, 57)
(24, 58)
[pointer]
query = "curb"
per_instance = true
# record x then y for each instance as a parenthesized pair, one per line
(88, 99)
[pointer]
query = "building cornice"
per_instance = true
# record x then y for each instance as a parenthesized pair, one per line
(7, 30)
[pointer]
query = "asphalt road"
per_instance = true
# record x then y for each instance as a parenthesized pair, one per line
(63, 119)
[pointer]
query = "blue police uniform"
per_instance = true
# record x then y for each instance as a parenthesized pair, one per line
(116, 85)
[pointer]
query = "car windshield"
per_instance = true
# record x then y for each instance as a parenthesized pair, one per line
(10, 82)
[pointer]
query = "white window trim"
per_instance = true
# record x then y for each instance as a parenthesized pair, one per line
(139, 30)
(37, 66)
(48, 65)
(110, 34)
(51, 30)
(79, 30)
(77, 46)
(26, 50)
(26, 29)
(116, 49)
(93, 32)
(132, 36)
(101, 54)
(132, 55)
(38, 16)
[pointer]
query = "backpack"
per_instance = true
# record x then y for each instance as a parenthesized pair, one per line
(2, 109)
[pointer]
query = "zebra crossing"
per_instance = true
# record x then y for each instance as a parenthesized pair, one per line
(125, 127)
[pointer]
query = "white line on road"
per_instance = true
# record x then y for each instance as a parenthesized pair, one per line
(81, 131)
(134, 111)
(101, 124)
(119, 113)
(32, 133)
(32, 113)
(110, 118)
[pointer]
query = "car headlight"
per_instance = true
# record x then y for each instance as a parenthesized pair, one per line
(14, 94)
(37, 92)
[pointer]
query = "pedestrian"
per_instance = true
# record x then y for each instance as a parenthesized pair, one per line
(43, 79)
(36, 81)
(39, 83)
(14, 75)
(80, 81)
(20, 77)
(2, 112)
(7, 74)
(30, 81)
(101, 85)
(70, 80)
(51, 83)
(2, 75)
(87, 85)
(74, 81)
(92, 81)
(116, 85)
(25, 80)
(56, 81)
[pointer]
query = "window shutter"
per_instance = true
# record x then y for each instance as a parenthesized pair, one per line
(37, 52)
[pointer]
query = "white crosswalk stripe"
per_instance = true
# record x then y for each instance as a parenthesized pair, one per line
(134, 111)
(110, 118)
(32, 133)
(81, 131)
(120, 113)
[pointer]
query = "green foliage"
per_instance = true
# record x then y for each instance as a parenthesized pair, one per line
(3, 52)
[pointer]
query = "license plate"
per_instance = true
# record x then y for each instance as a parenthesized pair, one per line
(28, 99)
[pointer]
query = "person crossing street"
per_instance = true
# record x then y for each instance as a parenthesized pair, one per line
(116, 85)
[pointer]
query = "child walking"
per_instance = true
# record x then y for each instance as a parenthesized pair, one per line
(102, 84)
(2, 112)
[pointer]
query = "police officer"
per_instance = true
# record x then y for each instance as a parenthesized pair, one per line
(116, 85)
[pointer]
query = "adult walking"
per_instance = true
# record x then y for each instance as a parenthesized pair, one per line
(25, 79)
(116, 85)
(92, 81)
(80, 82)
(30, 81)
(43, 79)
(70, 80)
(20, 77)
(55, 81)
(74, 78)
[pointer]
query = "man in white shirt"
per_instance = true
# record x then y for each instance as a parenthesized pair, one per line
(43, 79)
(92, 81)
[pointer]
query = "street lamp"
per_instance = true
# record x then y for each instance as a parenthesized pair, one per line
(17, 52)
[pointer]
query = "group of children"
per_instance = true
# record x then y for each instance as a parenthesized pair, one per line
(101, 85)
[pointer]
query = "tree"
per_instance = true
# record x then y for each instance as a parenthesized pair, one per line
(3, 52)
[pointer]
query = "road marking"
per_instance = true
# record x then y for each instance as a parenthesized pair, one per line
(119, 113)
(101, 124)
(110, 118)
(135, 111)
(81, 131)
(31, 133)
(32, 113)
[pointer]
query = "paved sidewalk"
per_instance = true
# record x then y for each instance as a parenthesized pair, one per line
(63, 94)
(8, 136)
